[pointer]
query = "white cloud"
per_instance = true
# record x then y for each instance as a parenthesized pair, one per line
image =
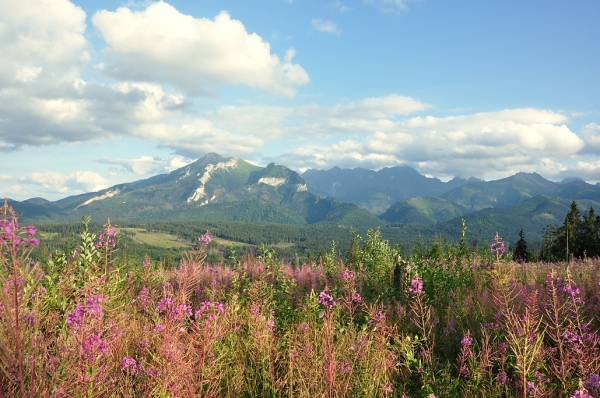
(268, 122)
(389, 106)
(274, 122)
(487, 144)
(43, 98)
(143, 165)
(591, 136)
(41, 41)
(341, 7)
(16, 192)
(146, 165)
(325, 26)
(198, 137)
(5, 177)
(161, 44)
(77, 182)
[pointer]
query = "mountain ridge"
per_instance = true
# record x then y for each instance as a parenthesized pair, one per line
(231, 189)
(211, 188)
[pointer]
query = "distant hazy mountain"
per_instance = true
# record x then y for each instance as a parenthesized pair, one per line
(533, 215)
(422, 210)
(212, 188)
(373, 190)
(476, 196)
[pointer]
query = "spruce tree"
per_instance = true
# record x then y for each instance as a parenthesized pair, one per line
(567, 244)
(521, 253)
(588, 234)
(353, 255)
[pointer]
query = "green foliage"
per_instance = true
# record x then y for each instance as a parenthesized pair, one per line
(87, 248)
(578, 237)
(377, 258)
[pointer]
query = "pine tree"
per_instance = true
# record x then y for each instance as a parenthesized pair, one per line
(567, 244)
(588, 234)
(168, 262)
(353, 254)
(309, 258)
(521, 253)
(549, 242)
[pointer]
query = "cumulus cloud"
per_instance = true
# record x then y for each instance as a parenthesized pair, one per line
(44, 100)
(5, 177)
(53, 183)
(388, 106)
(146, 165)
(487, 144)
(325, 26)
(268, 122)
(355, 117)
(591, 136)
(161, 44)
(16, 192)
(198, 137)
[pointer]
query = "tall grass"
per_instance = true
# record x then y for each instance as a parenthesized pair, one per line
(89, 323)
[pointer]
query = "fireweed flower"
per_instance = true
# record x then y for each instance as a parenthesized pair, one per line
(131, 365)
(582, 393)
(379, 318)
(497, 245)
(93, 346)
(348, 275)
(345, 366)
(356, 297)
(29, 317)
(304, 326)
(205, 239)
(212, 310)
(467, 341)
(107, 239)
(416, 286)
(326, 300)
(92, 306)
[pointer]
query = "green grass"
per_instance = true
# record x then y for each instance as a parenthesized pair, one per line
(157, 239)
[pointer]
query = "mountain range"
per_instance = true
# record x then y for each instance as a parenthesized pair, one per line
(218, 188)
(212, 188)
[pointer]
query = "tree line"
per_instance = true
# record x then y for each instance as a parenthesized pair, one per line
(578, 237)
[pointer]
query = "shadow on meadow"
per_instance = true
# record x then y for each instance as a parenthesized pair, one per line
(445, 324)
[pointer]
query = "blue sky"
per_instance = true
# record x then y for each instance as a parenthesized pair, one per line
(98, 93)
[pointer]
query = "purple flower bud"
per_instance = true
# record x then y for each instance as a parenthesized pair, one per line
(497, 245)
(326, 300)
(416, 286)
(205, 239)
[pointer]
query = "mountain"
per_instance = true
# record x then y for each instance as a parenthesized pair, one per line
(373, 190)
(422, 210)
(477, 196)
(533, 215)
(212, 188)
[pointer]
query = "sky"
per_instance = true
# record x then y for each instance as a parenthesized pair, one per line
(93, 94)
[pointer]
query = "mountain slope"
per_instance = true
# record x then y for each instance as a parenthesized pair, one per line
(480, 195)
(422, 210)
(373, 190)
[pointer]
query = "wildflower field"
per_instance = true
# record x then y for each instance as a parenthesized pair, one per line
(442, 323)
